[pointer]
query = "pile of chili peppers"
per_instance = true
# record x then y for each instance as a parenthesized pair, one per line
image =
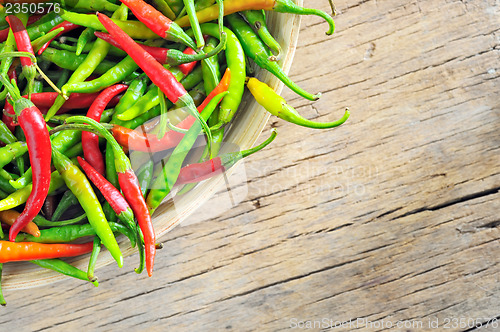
(99, 83)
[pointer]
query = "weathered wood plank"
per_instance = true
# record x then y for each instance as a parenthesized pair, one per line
(392, 216)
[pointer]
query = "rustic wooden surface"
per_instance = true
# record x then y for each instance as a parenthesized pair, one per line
(390, 218)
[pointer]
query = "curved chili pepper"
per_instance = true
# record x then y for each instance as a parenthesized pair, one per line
(280, 6)
(257, 51)
(10, 216)
(39, 147)
(27, 251)
(96, 249)
(130, 188)
(90, 141)
(160, 76)
(12, 151)
(68, 26)
(171, 169)
(85, 37)
(198, 172)
(80, 186)
(46, 23)
(93, 5)
(23, 43)
(276, 105)
(257, 19)
(69, 60)
(63, 267)
(41, 221)
(165, 55)
(139, 141)
(68, 199)
(110, 193)
(157, 22)
(195, 24)
(95, 56)
(164, 8)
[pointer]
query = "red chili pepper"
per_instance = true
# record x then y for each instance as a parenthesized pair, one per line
(130, 188)
(68, 26)
(141, 141)
(186, 68)
(40, 151)
(23, 43)
(159, 75)
(159, 53)
(157, 22)
(5, 32)
(90, 141)
(44, 100)
(9, 120)
(110, 193)
(27, 251)
(202, 171)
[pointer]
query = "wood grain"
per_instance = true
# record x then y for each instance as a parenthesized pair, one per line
(393, 216)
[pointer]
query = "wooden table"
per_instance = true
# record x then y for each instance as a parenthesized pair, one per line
(391, 218)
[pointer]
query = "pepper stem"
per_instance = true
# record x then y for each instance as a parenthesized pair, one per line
(229, 159)
(176, 57)
(33, 59)
(288, 6)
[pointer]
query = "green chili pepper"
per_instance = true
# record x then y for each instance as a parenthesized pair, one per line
(42, 222)
(92, 5)
(116, 74)
(77, 182)
(63, 79)
(85, 37)
(175, 5)
(12, 151)
(68, 200)
(257, 51)
(70, 233)
(162, 185)
(96, 249)
(276, 105)
(164, 8)
(96, 55)
(145, 176)
(21, 196)
(257, 19)
(44, 25)
(68, 60)
(2, 299)
(63, 267)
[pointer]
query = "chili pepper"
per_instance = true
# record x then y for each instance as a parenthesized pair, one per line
(134, 29)
(12, 151)
(39, 147)
(26, 251)
(160, 76)
(195, 25)
(164, 8)
(2, 299)
(85, 37)
(257, 19)
(80, 186)
(63, 267)
(6, 186)
(9, 217)
(188, 67)
(44, 25)
(68, 26)
(112, 177)
(145, 176)
(116, 74)
(48, 206)
(137, 141)
(90, 141)
(130, 188)
(257, 51)
(111, 194)
(5, 66)
(171, 169)
(93, 5)
(157, 22)
(22, 195)
(280, 6)
(146, 102)
(68, 60)
(96, 249)
(276, 105)
(134, 91)
(69, 233)
(235, 58)
(198, 172)
(142, 251)
(167, 56)
(38, 43)
(68, 199)
(74, 151)
(6, 135)
(23, 43)
(138, 121)
(42, 222)
(95, 56)
(63, 79)
(175, 5)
